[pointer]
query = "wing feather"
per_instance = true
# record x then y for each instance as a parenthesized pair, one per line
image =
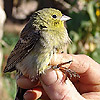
(28, 39)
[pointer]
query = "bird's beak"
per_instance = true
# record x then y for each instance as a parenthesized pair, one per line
(65, 18)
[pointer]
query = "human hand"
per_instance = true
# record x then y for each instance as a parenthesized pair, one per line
(54, 87)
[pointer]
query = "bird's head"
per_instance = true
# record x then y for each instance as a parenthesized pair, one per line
(49, 17)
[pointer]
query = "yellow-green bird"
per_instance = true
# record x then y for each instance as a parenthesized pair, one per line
(43, 36)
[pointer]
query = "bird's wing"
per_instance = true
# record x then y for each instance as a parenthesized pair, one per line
(28, 39)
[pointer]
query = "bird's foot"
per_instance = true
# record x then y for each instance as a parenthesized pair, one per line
(68, 72)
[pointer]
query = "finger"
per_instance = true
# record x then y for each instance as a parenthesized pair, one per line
(86, 88)
(87, 67)
(61, 58)
(33, 94)
(26, 83)
(92, 96)
(56, 88)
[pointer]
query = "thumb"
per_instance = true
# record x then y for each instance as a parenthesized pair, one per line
(58, 89)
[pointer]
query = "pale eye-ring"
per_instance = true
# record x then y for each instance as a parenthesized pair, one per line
(54, 16)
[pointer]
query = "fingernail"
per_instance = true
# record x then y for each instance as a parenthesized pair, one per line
(49, 77)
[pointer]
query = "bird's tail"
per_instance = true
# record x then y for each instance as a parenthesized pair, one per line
(20, 93)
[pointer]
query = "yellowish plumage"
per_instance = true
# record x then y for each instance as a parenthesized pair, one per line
(43, 36)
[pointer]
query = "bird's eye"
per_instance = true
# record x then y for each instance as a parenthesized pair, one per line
(54, 16)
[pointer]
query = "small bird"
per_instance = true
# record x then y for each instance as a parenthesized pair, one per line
(43, 36)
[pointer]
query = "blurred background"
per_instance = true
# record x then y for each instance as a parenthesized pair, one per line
(83, 29)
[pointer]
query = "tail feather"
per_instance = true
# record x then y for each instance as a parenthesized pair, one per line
(20, 93)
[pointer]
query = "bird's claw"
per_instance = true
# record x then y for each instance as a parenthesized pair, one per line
(68, 72)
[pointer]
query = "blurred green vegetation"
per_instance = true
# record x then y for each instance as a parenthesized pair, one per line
(83, 29)
(11, 39)
(9, 81)
(10, 86)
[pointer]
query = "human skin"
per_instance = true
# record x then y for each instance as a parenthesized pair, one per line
(54, 87)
